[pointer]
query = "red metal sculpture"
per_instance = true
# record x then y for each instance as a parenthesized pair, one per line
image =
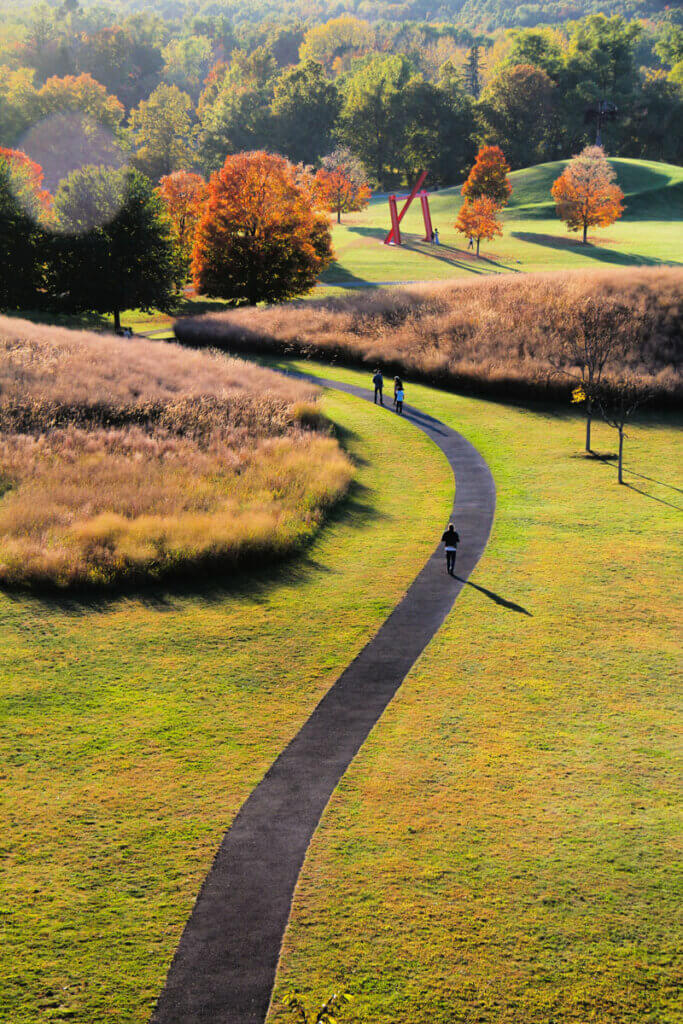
(394, 236)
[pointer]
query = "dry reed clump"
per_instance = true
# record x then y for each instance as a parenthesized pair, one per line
(157, 460)
(504, 336)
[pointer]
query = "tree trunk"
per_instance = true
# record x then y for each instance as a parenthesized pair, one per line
(478, 242)
(585, 233)
(339, 215)
(117, 320)
(589, 418)
(621, 456)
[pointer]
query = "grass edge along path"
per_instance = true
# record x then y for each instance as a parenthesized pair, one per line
(504, 848)
(133, 728)
(225, 965)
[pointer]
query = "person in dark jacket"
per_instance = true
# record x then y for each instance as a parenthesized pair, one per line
(451, 540)
(378, 381)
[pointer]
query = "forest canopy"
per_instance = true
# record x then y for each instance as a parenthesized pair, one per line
(179, 85)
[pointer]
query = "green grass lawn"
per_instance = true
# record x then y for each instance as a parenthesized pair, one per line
(533, 239)
(503, 849)
(132, 730)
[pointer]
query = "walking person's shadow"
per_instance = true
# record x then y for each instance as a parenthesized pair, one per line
(495, 597)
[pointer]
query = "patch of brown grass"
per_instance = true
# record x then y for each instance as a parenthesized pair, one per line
(124, 461)
(499, 336)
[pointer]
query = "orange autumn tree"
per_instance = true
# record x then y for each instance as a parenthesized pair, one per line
(585, 194)
(26, 181)
(477, 219)
(488, 179)
(184, 194)
(341, 184)
(260, 237)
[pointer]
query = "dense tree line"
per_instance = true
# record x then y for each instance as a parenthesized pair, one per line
(179, 86)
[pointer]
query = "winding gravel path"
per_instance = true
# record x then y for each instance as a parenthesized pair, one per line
(224, 968)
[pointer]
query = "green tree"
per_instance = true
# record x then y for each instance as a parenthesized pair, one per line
(600, 65)
(438, 129)
(117, 250)
(235, 109)
(517, 113)
(305, 108)
(371, 122)
(538, 46)
(655, 128)
(669, 47)
(187, 62)
(18, 103)
(163, 132)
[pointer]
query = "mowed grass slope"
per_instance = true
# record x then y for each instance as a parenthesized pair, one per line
(504, 848)
(649, 234)
(132, 730)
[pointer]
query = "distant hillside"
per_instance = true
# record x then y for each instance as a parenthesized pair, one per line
(653, 190)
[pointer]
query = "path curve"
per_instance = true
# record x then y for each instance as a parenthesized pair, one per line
(224, 968)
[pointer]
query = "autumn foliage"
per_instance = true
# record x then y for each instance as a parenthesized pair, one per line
(184, 194)
(585, 194)
(489, 177)
(477, 219)
(260, 237)
(340, 185)
(26, 177)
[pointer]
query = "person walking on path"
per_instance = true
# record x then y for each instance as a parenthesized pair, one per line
(470, 244)
(399, 398)
(436, 237)
(378, 381)
(451, 540)
(398, 383)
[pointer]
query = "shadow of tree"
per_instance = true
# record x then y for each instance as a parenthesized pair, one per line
(591, 250)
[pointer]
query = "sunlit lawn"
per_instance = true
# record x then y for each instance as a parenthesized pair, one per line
(132, 730)
(533, 238)
(504, 847)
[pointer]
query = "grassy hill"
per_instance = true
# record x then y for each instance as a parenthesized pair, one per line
(534, 239)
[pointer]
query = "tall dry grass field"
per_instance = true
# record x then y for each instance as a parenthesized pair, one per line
(504, 336)
(127, 460)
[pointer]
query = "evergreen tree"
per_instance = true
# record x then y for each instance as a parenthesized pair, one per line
(117, 250)
(473, 70)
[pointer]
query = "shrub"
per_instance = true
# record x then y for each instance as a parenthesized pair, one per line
(129, 461)
(501, 336)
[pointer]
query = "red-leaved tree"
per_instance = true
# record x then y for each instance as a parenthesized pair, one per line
(477, 219)
(260, 237)
(341, 184)
(488, 179)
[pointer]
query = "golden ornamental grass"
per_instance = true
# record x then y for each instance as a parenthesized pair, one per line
(502, 336)
(131, 461)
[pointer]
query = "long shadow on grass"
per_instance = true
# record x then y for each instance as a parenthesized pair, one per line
(609, 460)
(442, 253)
(596, 252)
(253, 581)
(496, 598)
